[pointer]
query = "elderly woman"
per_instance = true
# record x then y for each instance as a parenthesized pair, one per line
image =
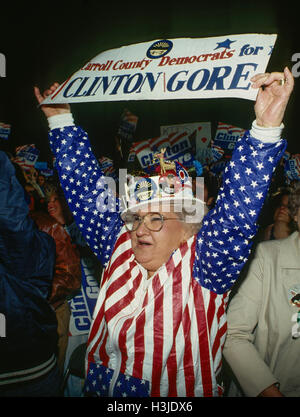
(159, 324)
(266, 361)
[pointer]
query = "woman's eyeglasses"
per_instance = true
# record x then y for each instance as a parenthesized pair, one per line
(153, 221)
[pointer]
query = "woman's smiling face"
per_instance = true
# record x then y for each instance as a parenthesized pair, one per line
(54, 206)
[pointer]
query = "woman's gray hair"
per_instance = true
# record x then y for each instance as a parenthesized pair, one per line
(294, 199)
(192, 227)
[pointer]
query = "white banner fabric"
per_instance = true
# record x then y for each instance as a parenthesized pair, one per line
(182, 68)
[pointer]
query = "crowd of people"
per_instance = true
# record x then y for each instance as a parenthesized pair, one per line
(186, 280)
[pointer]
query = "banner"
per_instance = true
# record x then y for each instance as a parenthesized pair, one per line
(41, 165)
(202, 132)
(107, 167)
(127, 125)
(4, 130)
(26, 156)
(225, 139)
(46, 172)
(292, 167)
(178, 148)
(162, 69)
(83, 304)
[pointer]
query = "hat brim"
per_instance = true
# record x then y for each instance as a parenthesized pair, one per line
(194, 207)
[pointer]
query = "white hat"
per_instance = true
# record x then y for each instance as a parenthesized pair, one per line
(170, 183)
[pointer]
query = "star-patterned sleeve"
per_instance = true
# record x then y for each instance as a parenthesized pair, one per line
(225, 239)
(94, 206)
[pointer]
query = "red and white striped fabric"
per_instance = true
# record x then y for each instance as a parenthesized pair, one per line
(157, 141)
(167, 330)
(26, 156)
(230, 129)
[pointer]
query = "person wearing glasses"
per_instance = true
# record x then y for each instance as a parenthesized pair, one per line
(262, 344)
(159, 324)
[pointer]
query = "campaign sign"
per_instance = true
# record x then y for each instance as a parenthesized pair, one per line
(182, 68)
(26, 156)
(107, 167)
(83, 304)
(47, 172)
(178, 148)
(41, 165)
(226, 138)
(201, 131)
(127, 125)
(292, 167)
(4, 130)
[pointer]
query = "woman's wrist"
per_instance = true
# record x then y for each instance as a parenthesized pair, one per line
(266, 134)
(60, 120)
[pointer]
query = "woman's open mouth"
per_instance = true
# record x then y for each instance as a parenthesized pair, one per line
(143, 243)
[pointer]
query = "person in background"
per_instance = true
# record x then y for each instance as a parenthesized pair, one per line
(210, 186)
(28, 366)
(41, 181)
(263, 340)
(160, 324)
(211, 189)
(282, 224)
(67, 275)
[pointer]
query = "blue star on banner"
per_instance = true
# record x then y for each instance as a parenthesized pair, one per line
(225, 44)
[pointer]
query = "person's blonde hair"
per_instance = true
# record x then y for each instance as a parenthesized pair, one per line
(53, 189)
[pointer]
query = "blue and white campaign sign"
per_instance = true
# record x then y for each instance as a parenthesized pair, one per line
(26, 156)
(162, 69)
(82, 305)
(41, 165)
(226, 137)
(177, 146)
(4, 130)
(201, 131)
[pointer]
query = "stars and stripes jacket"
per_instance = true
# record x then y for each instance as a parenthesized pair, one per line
(163, 336)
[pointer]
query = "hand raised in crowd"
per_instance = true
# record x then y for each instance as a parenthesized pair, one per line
(275, 89)
(51, 109)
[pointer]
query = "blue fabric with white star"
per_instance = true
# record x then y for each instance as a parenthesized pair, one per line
(80, 176)
(225, 239)
(99, 381)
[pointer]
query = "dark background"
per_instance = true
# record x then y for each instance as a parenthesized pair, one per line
(48, 41)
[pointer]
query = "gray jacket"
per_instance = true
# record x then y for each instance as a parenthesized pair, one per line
(263, 341)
